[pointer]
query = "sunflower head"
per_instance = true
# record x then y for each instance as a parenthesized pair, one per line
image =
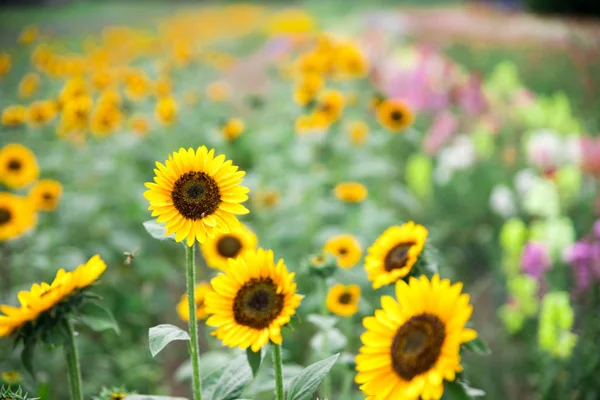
(395, 115)
(225, 246)
(413, 344)
(322, 265)
(331, 104)
(197, 195)
(139, 125)
(183, 308)
(45, 195)
(394, 253)
(345, 248)
(17, 216)
(18, 166)
(232, 129)
(14, 115)
(41, 112)
(351, 192)
(343, 300)
(252, 300)
(166, 110)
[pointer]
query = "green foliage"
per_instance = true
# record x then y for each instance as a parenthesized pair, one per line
(161, 335)
(7, 393)
(306, 384)
(228, 382)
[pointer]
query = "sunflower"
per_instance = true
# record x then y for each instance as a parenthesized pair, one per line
(197, 194)
(139, 125)
(224, 246)
(29, 84)
(5, 63)
(394, 253)
(351, 192)
(11, 377)
(358, 131)
(331, 104)
(18, 166)
(41, 112)
(17, 216)
(43, 297)
(232, 129)
(343, 300)
(29, 34)
(14, 115)
(413, 344)
(345, 248)
(183, 308)
(395, 115)
(252, 300)
(166, 110)
(45, 195)
(105, 119)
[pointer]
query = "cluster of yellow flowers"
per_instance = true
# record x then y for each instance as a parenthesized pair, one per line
(18, 170)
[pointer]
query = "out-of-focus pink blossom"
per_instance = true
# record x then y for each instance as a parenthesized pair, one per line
(470, 96)
(590, 155)
(444, 126)
(535, 259)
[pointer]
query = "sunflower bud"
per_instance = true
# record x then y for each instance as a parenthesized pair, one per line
(322, 265)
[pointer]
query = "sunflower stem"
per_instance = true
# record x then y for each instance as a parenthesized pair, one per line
(278, 368)
(193, 324)
(72, 357)
(326, 385)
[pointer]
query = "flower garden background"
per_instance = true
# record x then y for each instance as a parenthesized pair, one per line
(376, 201)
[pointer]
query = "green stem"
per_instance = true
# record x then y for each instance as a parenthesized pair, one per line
(326, 385)
(72, 357)
(347, 386)
(278, 368)
(193, 324)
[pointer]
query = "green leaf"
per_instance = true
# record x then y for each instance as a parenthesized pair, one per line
(97, 318)
(324, 323)
(477, 346)
(456, 390)
(228, 382)
(157, 231)
(149, 397)
(162, 335)
(306, 384)
(27, 356)
(255, 359)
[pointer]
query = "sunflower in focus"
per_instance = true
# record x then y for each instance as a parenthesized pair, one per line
(45, 195)
(232, 129)
(183, 308)
(166, 110)
(252, 300)
(41, 112)
(395, 115)
(18, 166)
(412, 345)
(394, 253)
(14, 115)
(351, 192)
(17, 216)
(343, 300)
(44, 297)
(224, 246)
(197, 195)
(345, 248)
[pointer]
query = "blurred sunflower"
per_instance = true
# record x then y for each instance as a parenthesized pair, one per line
(183, 308)
(45, 195)
(225, 246)
(345, 248)
(395, 115)
(11, 377)
(5, 63)
(197, 194)
(232, 129)
(330, 104)
(166, 110)
(41, 112)
(14, 115)
(105, 119)
(394, 253)
(411, 346)
(75, 113)
(252, 300)
(29, 34)
(307, 88)
(343, 300)
(358, 132)
(42, 298)
(351, 192)
(139, 125)
(29, 84)
(16, 216)
(18, 166)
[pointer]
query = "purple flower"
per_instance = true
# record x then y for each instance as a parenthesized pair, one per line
(535, 259)
(596, 229)
(579, 252)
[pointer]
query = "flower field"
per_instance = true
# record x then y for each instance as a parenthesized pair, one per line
(352, 207)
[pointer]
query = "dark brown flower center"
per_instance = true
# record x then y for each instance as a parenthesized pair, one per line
(14, 165)
(47, 196)
(196, 195)
(5, 216)
(396, 115)
(342, 251)
(229, 246)
(397, 257)
(417, 345)
(117, 396)
(257, 303)
(345, 298)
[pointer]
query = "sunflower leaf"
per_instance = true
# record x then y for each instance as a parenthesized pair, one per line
(306, 384)
(228, 382)
(161, 335)
(27, 356)
(255, 359)
(157, 231)
(456, 390)
(477, 346)
(97, 318)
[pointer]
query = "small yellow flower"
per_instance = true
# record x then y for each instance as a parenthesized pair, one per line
(11, 377)
(29, 34)
(139, 125)
(351, 192)
(75, 113)
(105, 119)
(137, 85)
(331, 104)
(267, 198)
(110, 97)
(14, 115)
(163, 86)
(166, 110)
(41, 112)
(218, 91)
(18, 166)
(345, 248)
(343, 300)
(5, 63)
(74, 88)
(103, 78)
(183, 308)
(232, 129)
(307, 88)
(29, 84)
(358, 131)
(350, 62)
(395, 115)
(304, 124)
(45, 195)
